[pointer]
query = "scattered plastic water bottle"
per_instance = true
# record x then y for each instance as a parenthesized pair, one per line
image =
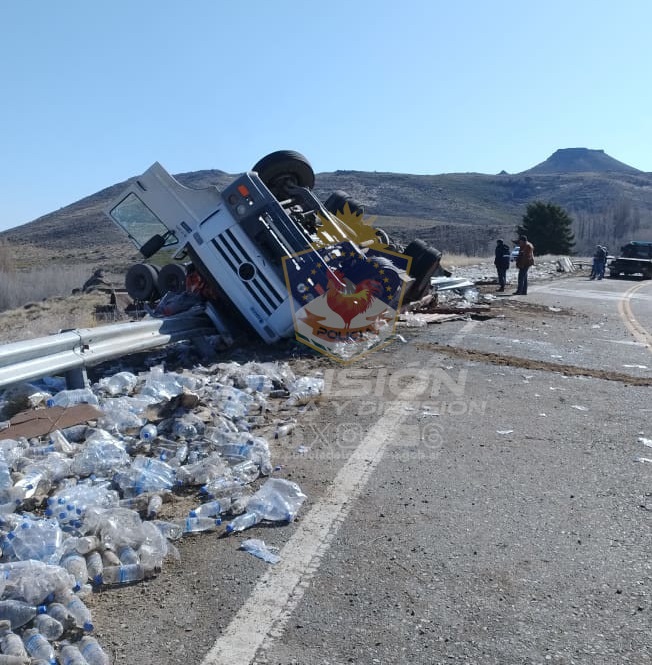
(128, 555)
(154, 506)
(37, 645)
(284, 430)
(304, 390)
(75, 564)
(95, 567)
(48, 626)
(72, 397)
(198, 524)
(92, 651)
(242, 522)
(121, 383)
(149, 432)
(58, 611)
(259, 382)
(10, 643)
(123, 574)
(71, 655)
(77, 608)
(19, 613)
(213, 508)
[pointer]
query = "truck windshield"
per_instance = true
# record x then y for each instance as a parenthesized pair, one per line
(139, 222)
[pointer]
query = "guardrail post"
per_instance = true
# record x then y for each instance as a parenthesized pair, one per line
(76, 378)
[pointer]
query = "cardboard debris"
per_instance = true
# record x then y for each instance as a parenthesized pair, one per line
(37, 422)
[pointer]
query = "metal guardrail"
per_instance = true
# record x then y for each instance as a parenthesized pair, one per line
(71, 352)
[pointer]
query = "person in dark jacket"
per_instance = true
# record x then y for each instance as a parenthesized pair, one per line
(502, 263)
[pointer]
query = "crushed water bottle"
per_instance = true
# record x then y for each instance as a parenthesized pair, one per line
(304, 390)
(73, 397)
(102, 454)
(188, 427)
(121, 383)
(259, 383)
(259, 549)
(146, 474)
(202, 471)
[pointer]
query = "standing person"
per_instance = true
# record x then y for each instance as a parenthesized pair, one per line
(502, 263)
(524, 261)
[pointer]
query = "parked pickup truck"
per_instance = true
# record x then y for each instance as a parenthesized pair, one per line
(635, 259)
(238, 239)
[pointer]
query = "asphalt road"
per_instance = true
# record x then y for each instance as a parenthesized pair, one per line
(469, 502)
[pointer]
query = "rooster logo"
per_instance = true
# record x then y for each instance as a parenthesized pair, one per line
(348, 299)
(345, 298)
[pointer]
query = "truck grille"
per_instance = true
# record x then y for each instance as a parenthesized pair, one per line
(259, 287)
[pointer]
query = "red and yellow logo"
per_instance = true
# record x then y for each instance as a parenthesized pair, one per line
(346, 296)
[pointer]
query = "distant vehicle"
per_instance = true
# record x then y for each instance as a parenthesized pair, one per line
(635, 259)
(236, 241)
(514, 253)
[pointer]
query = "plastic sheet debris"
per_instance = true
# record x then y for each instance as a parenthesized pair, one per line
(645, 441)
(259, 549)
(278, 500)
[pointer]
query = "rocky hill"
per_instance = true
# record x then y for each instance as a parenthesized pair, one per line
(609, 202)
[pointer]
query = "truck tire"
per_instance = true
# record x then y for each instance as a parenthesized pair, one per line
(425, 261)
(141, 281)
(338, 199)
(171, 277)
(282, 168)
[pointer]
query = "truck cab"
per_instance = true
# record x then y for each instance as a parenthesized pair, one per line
(245, 239)
(635, 259)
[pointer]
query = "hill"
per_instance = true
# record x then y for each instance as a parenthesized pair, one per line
(609, 201)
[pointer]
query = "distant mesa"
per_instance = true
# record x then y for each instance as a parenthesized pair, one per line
(580, 160)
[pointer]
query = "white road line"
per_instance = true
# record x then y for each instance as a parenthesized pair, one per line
(466, 328)
(263, 616)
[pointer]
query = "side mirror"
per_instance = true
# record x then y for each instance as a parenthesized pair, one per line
(152, 246)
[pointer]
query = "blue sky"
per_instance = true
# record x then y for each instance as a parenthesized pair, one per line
(94, 92)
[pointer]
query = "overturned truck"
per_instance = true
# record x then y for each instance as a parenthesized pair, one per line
(244, 243)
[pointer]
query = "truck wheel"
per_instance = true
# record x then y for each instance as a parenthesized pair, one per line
(647, 274)
(172, 277)
(338, 199)
(141, 280)
(425, 261)
(282, 168)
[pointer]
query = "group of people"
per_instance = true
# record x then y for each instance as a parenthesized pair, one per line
(524, 261)
(599, 262)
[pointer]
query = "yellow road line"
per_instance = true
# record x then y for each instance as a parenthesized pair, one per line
(625, 312)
